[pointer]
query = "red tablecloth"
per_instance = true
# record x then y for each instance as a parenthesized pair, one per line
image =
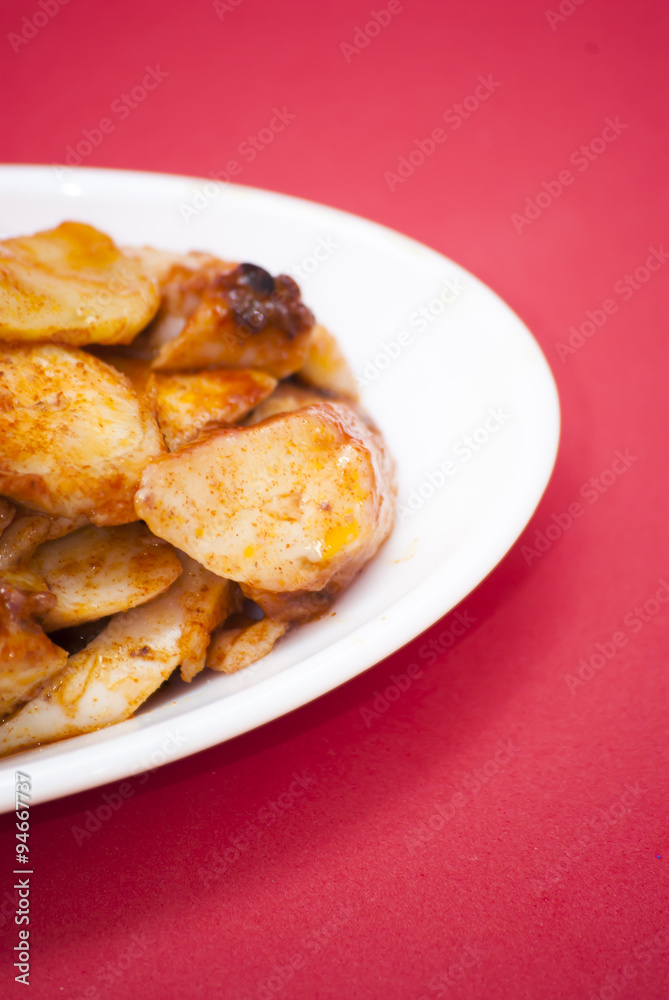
(500, 831)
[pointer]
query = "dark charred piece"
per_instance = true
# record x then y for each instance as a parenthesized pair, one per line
(257, 300)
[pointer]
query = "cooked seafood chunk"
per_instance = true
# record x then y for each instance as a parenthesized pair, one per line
(170, 270)
(27, 656)
(297, 605)
(108, 680)
(235, 648)
(298, 502)
(7, 511)
(72, 285)
(74, 437)
(326, 367)
(185, 405)
(28, 530)
(182, 279)
(245, 319)
(100, 571)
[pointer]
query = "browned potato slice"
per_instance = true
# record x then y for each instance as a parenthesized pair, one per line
(326, 367)
(72, 285)
(245, 319)
(298, 502)
(108, 680)
(187, 404)
(235, 648)
(197, 635)
(74, 437)
(286, 398)
(27, 656)
(97, 572)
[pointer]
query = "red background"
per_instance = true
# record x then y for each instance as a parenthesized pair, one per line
(551, 871)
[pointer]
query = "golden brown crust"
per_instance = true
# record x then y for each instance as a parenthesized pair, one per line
(74, 437)
(185, 405)
(299, 502)
(72, 285)
(289, 506)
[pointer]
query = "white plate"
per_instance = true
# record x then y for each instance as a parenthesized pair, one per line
(433, 383)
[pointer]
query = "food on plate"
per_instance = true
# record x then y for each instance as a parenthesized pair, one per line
(96, 572)
(27, 655)
(74, 435)
(125, 663)
(286, 397)
(185, 474)
(237, 647)
(245, 319)
(325, 367)
(293, 505)
(72, 285)
(189, 403)
(27, 530)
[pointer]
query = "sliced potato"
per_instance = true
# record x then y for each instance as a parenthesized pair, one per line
(298, 502)
(286, 398)
(235, 648)
(197, 634)
(185, 405)
(137, 369)
(245, 319)
(72, 285)
(27, 656)
(326, 367)
(74, 437)
(97, 572)
(118, 670)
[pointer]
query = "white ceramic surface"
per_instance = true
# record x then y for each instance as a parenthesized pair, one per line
(462, 393)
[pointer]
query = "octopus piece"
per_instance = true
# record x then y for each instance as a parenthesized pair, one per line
(7, 512)
(72, 285)
(182, 279)
(167, 268)
(100, 571)
(28, 530)
(245, 319)
(296, 504)
(27, 655)
(108, 680)
(187, 405)
(74, 437)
